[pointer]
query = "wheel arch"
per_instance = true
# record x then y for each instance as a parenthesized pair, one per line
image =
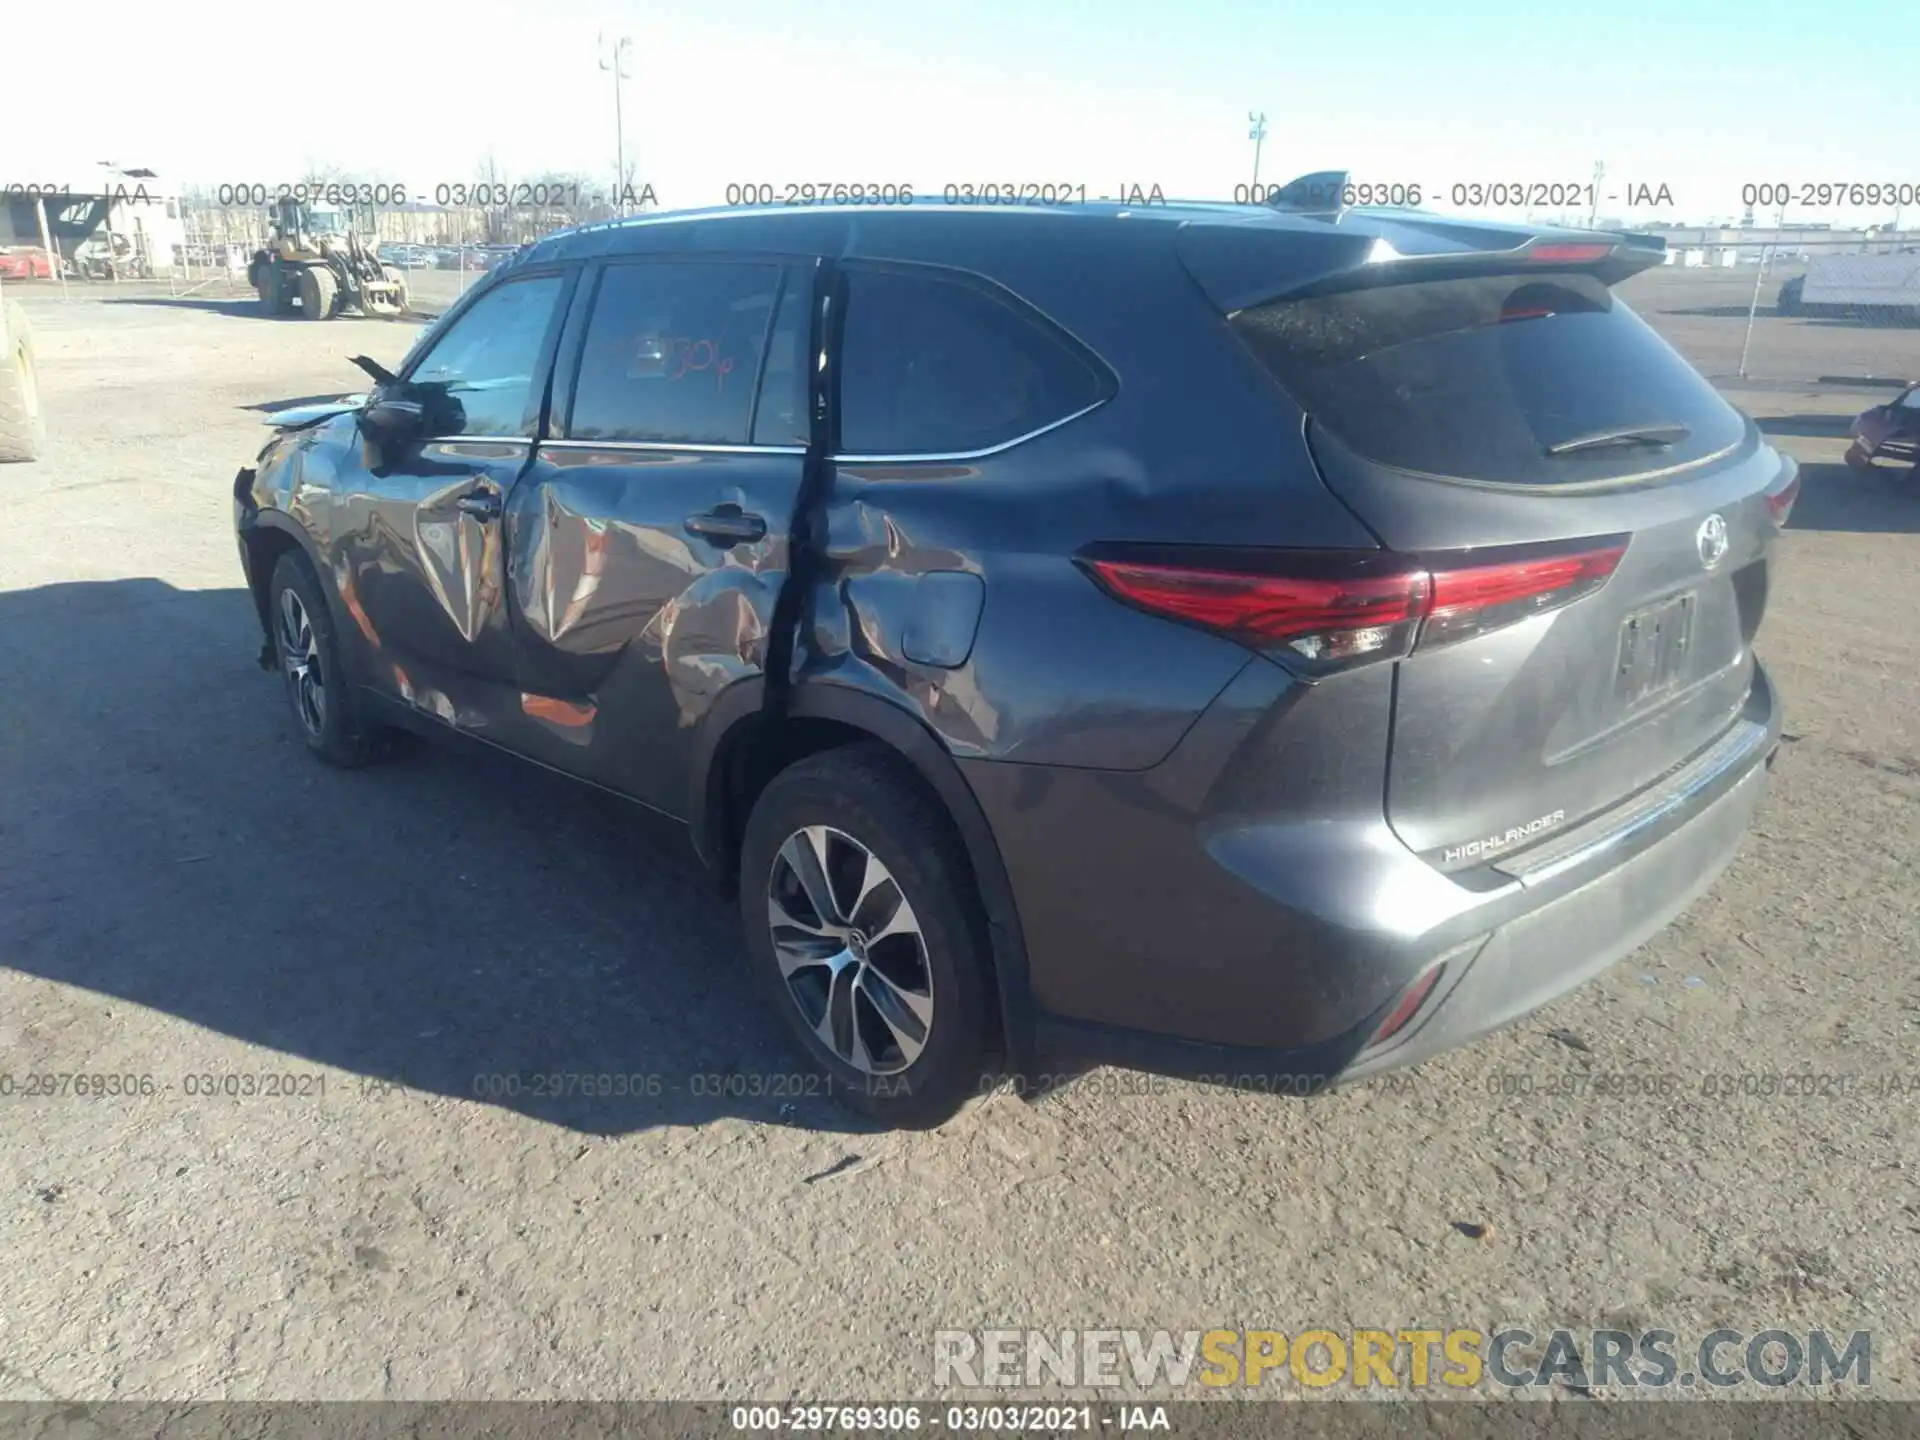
(266, 535)
(741, 749)
(265, 538)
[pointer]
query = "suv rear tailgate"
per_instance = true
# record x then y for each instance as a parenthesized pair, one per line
(1503, 404)
(1561, 715)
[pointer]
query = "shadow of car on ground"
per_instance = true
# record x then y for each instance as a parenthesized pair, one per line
(464, 925)
(1839, 498)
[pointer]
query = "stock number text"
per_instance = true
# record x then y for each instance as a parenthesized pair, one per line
(1356, 192)
(1772, 193)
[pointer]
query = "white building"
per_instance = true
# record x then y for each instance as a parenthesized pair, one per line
(129, 214)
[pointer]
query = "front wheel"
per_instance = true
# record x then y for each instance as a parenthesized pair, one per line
(862, 919)
(317, 293)
(324, 703)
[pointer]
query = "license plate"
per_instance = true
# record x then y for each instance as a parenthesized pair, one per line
(1653, 649)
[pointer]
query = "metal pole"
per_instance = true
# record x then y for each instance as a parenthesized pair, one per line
(1753, 306)
(46, 243)
(1257, 134)
(106, 226)
(1593, 209)
(617, 64)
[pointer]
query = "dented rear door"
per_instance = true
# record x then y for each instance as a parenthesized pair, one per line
(647, 541)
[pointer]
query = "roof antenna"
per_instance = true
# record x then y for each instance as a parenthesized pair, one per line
(1321, 193)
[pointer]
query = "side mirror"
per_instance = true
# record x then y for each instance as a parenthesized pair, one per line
(393, 422)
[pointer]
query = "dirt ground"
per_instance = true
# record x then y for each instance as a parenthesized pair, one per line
(184, 893)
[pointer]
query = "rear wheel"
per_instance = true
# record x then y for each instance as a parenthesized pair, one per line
(861, 919)
(22, 433)
(325, 706)
(317, 291)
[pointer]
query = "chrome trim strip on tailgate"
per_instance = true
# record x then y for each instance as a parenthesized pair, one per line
(1564, 852)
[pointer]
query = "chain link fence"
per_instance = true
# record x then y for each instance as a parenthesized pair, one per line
(1754, 307)
(440, 248)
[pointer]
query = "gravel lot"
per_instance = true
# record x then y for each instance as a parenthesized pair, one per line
(183, 892)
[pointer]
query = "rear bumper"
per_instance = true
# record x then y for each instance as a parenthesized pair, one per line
(1507, 942)
(1545, 953)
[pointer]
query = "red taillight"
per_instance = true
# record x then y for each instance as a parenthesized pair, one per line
(1324, 611)
(1568, 254)
(1321, 620)
(1408, 1007)
(1476, 598)
(1780, 502)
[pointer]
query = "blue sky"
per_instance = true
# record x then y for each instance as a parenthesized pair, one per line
(1699, 96)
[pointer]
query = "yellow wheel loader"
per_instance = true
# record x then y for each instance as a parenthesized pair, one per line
(314, 260)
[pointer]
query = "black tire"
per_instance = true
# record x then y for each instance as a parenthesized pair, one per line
(342, 735)
(317, 291)
(872, 797)
(22, 432)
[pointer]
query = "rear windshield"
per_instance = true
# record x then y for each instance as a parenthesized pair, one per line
(1521, 380)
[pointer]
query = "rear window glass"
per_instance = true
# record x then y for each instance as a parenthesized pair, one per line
(934, 365)
(672, 352)
(1493, 378)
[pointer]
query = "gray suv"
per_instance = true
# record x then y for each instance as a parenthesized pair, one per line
(1223, 640)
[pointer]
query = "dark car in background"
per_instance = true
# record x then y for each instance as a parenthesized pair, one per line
(460, 257)
(1207, 638)
(489, 256)
(1886, 438)
(407, 257)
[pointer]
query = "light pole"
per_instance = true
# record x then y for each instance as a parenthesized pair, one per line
(1593, 208)
(614, 60)
(1256, 133)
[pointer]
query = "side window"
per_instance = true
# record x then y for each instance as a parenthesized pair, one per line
(672, 352)
(489, 359)
(935, 365)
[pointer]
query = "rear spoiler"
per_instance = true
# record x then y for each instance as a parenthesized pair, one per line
(1297, 246)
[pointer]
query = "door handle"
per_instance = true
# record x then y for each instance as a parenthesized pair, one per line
(728, 525)
(480, 504)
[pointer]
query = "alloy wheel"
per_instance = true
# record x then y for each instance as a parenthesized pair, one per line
(850, 950)
(300, 654)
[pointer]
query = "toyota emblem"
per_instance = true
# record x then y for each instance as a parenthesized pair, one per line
(1711, 540)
